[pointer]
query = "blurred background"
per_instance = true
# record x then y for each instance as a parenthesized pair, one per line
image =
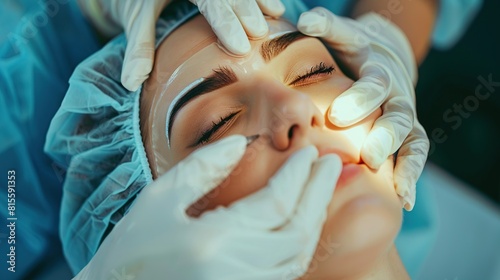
(464, 125)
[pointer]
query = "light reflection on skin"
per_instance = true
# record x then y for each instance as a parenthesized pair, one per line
(365, 213)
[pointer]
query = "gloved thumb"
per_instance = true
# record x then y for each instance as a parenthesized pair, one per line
(139, 55)
(363, 97)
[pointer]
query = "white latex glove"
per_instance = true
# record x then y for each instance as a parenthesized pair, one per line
(229, 20)
(379, 54)
(262, 236)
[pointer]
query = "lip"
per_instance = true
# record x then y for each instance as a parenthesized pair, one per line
(349, 172)
(351, 166)
(346, 158)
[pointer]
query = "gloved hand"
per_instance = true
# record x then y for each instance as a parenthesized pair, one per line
(379, 55)
(229, 20)
(262, 236)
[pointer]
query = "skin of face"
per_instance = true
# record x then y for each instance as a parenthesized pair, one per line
(364, 215)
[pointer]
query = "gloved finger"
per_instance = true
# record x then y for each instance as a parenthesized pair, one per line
(410, 164)
(341, 33)
(274, 8)
(229, 31)
(273, 205)
(311, 211)
(139, 54)
(281, 245)
(363, 97)
(388, 132)
(204, 169)
(251, 18)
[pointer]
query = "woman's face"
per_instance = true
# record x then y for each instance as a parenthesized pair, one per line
(281, 91)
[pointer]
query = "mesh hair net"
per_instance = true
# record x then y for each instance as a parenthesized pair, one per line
(95, 136)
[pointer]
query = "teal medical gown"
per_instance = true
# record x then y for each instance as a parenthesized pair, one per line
(41, 42)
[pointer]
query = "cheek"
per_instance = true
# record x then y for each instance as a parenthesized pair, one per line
(259, 163)
(324, 93)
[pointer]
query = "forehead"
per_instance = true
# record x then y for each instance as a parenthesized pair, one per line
(195, 35)
(192, 51)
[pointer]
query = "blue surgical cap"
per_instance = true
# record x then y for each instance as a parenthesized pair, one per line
(95, 136)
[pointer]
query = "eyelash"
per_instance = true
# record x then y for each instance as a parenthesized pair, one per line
(317, 70)
(207, 134)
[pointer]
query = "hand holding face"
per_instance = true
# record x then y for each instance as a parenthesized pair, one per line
(280, 224)
(378, 53)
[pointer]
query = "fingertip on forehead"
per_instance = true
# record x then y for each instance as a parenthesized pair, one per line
(279, 26)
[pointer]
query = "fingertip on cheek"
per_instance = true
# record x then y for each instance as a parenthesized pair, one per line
(372, 157)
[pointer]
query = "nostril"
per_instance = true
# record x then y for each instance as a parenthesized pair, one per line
(290, 131)
(317, 121)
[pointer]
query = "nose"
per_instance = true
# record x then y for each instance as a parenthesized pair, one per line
(290, 114)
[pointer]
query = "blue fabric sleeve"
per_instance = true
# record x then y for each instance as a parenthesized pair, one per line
(41, 44)
(295, 7)
(453, 18)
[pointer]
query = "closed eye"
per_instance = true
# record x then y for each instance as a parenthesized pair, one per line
(312, 75)
(216, 126)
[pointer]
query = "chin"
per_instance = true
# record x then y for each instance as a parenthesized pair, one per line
(363, 220)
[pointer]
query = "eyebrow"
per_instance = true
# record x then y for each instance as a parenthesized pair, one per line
(221, 77)
(272, 48)
(225, 76)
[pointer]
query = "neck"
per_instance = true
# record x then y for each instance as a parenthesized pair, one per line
(389, 267)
